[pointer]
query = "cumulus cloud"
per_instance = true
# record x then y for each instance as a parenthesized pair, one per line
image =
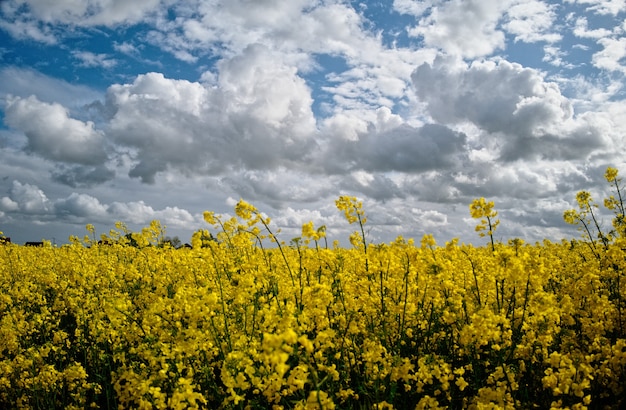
(582, 30)
(295, 218)
(413, 7)
(280, 186)
(294, 26)
(39, 20)
(53, 134)
(611, 56)
(87, 13)
(520, 114)
(531, 21)
(258, 118)
(428, 219)
(464, 28)
(26, 198)
(80, 206)
(298, 31)
(140, 213)
(612, 7)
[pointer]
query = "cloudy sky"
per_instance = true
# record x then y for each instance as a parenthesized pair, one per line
(112, 110)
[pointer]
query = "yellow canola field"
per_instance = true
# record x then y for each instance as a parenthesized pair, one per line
(243, 320)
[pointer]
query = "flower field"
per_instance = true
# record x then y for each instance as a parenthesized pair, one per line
(243, 320)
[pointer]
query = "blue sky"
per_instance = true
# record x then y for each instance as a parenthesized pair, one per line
(160, 109)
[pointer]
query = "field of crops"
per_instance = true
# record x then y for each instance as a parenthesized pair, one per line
(243, 320)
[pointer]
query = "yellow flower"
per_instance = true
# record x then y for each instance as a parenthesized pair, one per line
(571, 216)
(480, 208)
(461, 383)
(352, 209)
(610, 174)
(245, 210)
(209, 217)
(583, 198)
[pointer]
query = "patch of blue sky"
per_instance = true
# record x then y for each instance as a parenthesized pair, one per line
(578, 52)
(392, 26)
(148, 55)
(600, 20)
(327, 64)
(37, 56)
(126, 64)
(526, 54)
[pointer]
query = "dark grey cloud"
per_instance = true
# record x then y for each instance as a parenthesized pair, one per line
(435, 187)
(376, 186)
(403, 149)
(82, 176)
(409, 149)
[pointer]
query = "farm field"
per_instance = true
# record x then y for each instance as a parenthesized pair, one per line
(243, 320)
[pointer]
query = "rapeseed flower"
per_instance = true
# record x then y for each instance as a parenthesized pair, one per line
(231, 323)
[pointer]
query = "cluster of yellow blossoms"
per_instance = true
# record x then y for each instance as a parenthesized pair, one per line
(236, 324)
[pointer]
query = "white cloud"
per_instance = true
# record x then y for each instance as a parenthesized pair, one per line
(582, 30)
(346, 125)
(141, 214)
(26, 198)
(292, 28)
(413, 7)
(280, 186)
(89, 59)
(126, 48)
(521, 115)
(611, 56)
(531, 21)
(430, 219)
(80, 206)
(53, 134)
(464, 28)
(82, 12)
(259, 118)
(29, 30)
(371, 86)
(295, 218)
(555, 56)
(39, 20)
(613, 7)
(8, 205)
(25, 82)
